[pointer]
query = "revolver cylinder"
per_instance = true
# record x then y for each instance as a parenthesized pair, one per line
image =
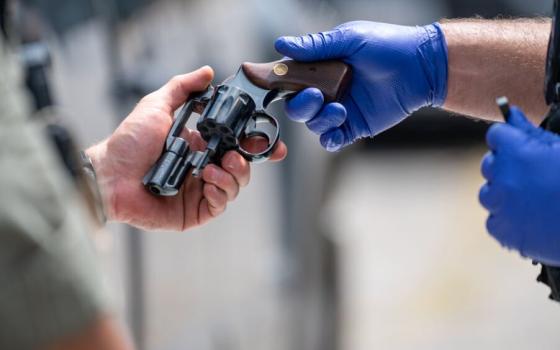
(225, 117)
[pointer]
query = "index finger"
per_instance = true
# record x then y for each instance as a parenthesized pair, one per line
(487, 166)
(504, 135)
(305, 105)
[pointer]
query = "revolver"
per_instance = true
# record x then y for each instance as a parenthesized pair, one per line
(235, 111)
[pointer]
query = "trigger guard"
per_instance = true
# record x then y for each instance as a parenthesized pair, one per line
(253, 130)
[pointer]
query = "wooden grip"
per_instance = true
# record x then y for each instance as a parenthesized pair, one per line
(331, 77)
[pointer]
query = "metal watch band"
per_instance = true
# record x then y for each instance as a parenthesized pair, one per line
(91, 179)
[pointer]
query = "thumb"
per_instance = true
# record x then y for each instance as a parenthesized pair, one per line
(518, 120)
(176, 91)
(312, 47)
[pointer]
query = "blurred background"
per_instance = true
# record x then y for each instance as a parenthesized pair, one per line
(381, 246)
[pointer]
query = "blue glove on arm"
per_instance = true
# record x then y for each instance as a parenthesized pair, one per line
(396, 71)
(523, 189)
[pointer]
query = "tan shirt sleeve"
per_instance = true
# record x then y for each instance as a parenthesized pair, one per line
(49, 282)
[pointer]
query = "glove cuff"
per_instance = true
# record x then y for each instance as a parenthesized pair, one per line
(436, 58)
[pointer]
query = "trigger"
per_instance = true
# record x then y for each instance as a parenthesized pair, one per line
(265, 126)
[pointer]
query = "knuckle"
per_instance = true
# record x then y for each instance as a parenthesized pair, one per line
(482, 193)
(219, 210)
(493, 130)
(485, 197)
(355, 31)
(315, 125)
(231, 161)
(208, 191)
(247, 177)
(237, 166)
(487, 166)
(147, 98)
(217, 205)
(491, 225)
(234, 191)
(175, 80)
(217, 176)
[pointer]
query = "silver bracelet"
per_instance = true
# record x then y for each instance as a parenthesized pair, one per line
(91, 182)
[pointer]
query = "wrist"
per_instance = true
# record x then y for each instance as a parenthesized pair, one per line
(105, 181)
(435, 53)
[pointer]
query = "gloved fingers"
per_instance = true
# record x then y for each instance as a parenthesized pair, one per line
(490, 197)
(518, 119)
(492, 226)
(312, 47)
(331, 116)
(358, 127)
(504, 232)
(503, 136)
(207, 212)
(488, 165)
(334, 140)
(305, 105)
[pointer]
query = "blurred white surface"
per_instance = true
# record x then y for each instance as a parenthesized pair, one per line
(419, 270)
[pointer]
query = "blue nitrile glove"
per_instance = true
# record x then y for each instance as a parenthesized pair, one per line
(523, 189)
(396, 71)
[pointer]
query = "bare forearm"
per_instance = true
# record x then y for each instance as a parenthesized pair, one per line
(492, 58)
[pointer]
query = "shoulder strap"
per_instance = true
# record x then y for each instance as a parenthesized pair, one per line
(3, 18)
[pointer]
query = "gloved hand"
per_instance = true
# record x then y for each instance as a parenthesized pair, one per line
(523, 189)
(396, 71)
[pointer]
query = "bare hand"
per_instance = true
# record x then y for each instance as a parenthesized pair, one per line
(122, 160)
